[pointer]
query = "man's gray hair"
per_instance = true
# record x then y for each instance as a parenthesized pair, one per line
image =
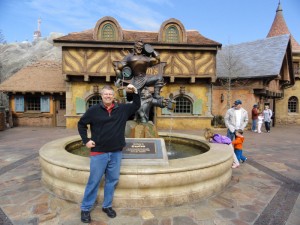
(107, 87)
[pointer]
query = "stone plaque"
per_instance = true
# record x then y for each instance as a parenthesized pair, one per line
(145, 151)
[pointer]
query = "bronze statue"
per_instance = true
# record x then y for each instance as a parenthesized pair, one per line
(134, 67)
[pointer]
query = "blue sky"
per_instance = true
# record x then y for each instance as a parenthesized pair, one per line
(224, 21)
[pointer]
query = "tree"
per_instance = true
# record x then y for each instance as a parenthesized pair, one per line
(229, 69)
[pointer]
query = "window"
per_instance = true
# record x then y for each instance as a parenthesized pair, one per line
(183, 106)
(33, 103)
(296, 68)
(172, 35)
(293, 104)
(62, 104)
(108, 33)
(94, 100)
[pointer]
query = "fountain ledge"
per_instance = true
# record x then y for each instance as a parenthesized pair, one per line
(182, 181)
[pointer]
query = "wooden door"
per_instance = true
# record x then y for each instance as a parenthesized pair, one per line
(60, 112)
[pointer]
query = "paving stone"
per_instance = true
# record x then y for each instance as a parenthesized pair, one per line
(180, 220)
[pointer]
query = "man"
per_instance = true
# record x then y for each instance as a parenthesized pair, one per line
(107, 122)
(137, 63)
(235, 118)
(254, 116)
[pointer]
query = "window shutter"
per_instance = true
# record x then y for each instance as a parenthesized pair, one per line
(19, 103)
(45, 104)
(80, 106)
(197, 107)
(165, 111)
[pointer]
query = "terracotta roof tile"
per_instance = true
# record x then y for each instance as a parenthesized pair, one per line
(41, 76)
(279, 27)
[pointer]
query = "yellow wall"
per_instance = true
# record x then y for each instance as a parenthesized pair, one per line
(282, 115)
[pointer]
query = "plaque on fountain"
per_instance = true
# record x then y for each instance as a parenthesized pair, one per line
(145, 151)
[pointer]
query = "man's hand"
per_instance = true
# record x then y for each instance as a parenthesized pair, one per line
(90, 144)
(132, 88)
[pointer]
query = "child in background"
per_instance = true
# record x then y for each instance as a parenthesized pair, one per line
(220, 139)
(260, 120)
(238, 145)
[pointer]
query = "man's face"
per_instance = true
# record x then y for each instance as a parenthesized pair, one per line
(107, 97)
(237, 106)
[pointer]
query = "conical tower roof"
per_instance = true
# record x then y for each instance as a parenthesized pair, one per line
(279, 27)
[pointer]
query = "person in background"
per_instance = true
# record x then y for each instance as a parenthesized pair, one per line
(267, 113)
(235, 118)
(107, 122)
(260, 120)
(238, 145)
(210, 136)
(254, 114)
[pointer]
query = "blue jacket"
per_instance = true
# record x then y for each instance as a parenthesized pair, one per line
(107, 129)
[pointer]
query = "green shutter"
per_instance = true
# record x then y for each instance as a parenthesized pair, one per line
(80, 105)
(197, 107)
(19, 103)
(45, 104)
(165, 111)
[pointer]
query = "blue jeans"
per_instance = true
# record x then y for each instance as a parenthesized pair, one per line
(239, 154)
(254, 123)
(230, 134)
(108, 164)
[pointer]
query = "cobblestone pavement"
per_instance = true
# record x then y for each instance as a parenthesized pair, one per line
(263, 190)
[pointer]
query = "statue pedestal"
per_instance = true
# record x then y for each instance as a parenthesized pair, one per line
(143, 145)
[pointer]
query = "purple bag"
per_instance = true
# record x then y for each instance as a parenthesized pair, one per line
(218, 138)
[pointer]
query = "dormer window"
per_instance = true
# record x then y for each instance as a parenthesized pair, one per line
(172, 35)
(108, 33)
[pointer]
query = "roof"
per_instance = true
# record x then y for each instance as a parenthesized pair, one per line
(261, 58)
(41, 76)
(193, 37)
(279, 27)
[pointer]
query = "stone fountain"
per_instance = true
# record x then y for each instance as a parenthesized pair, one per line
(143, 182)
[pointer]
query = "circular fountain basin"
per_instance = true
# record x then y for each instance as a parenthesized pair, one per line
(183, 180)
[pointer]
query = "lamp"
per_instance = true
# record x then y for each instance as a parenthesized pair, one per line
(222, 97)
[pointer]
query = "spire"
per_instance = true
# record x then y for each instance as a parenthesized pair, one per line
(37, 34)
(279, 27)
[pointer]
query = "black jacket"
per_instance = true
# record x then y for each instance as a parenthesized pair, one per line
(107, 130)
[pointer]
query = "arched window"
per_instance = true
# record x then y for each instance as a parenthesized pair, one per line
(172, 35)
(293, 104)
(108, 33)
(183, 105)
(93, 100)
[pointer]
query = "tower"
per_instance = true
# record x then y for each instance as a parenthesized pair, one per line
(37, 34)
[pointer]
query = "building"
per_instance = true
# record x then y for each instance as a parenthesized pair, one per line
(287, 107)
(37, 95)
(257, 72)
(188, 64)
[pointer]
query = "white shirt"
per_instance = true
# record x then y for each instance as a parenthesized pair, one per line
(238, 114)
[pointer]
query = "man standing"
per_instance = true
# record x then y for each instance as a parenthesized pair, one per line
(254, 114)
(235, 118)
(107, 122)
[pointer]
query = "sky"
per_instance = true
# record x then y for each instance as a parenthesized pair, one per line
(224, 21)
